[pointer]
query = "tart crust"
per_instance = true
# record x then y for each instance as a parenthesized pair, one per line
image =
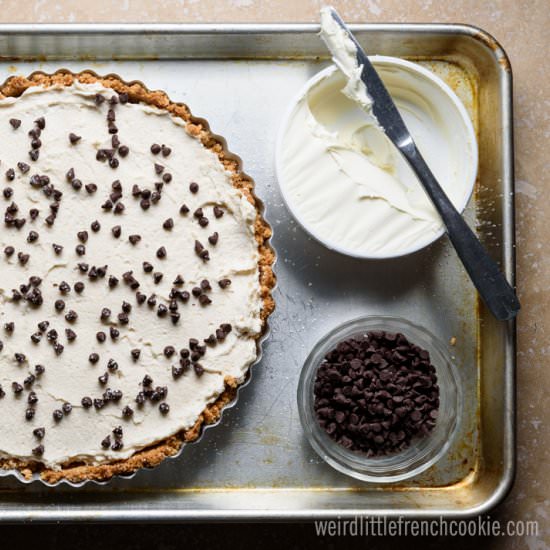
(154, 454)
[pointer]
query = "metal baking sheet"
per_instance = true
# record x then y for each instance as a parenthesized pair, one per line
(256, 464)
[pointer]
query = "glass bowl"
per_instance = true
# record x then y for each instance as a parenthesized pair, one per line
(424, 451)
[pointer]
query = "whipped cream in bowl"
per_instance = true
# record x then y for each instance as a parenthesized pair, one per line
(347, 184)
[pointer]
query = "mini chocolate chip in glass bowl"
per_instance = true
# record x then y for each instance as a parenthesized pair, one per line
(379, 399)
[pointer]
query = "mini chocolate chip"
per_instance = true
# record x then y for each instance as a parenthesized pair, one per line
(80, 249)
(15, 123)
(64, 287)
(155, 148)
(168, 224)
(162, 310)
(106, 442)
(52, 335)
(20, 357)
(93, 358)
(213, 239)
(164, 408)
(7, 192)
(33, 213)
(91, 188)
(101, 336)
(134, 239)
(34, 154)
(73, 138)
(23, 166)
(29, 414)
(23, 258)
(123, 151)
(203, 222)
(57, 248)
(211, 340)
(99, 403)
(204, 300)
(9, 250)
(95, 226)
(82, 236)
(39, 433)
(36, 337)
(32, 398)
(115, 333)
(116, 231)
(38, 451)
(119, 208)
(174, 317)
(193, 187)
(140, 297)
(112, 365)
(39, 369)
(123, 318)
(166, 177)
(145, 204)
(151, 301)
(155, 197)
(67, 408)
(147, 267)
(76, 184)
(83, 267)
(71, 316)
(218, 212)
(113, 129)
(86, 402)
(40, 122)
(9, 327)
(113, 281)
(78, 287)
(161, 252)
(58, 348)
(199, 370)
(10, 174)
(104, 378)
(159, 169)
(59, 305)
(57, 415)
(224, 283)
(36, 143)
(157, 277)
(127, 412)
(117, 445)
(115, 142)
(105, 313)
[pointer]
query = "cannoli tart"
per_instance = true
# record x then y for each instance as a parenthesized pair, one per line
(136, 276)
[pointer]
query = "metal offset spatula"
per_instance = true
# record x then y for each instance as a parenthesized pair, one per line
(496, 292)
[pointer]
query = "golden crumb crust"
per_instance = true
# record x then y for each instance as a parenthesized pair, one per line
(153, 455)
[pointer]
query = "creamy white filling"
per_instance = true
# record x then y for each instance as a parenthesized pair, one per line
(344, 55)
(70, 376)
(344, 178)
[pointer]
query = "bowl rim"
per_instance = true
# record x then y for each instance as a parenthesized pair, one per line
(323, 445)
(387, 61)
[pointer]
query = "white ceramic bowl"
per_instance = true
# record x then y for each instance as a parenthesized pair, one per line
(447, 104)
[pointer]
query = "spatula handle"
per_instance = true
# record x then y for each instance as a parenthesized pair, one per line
(494, 289)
